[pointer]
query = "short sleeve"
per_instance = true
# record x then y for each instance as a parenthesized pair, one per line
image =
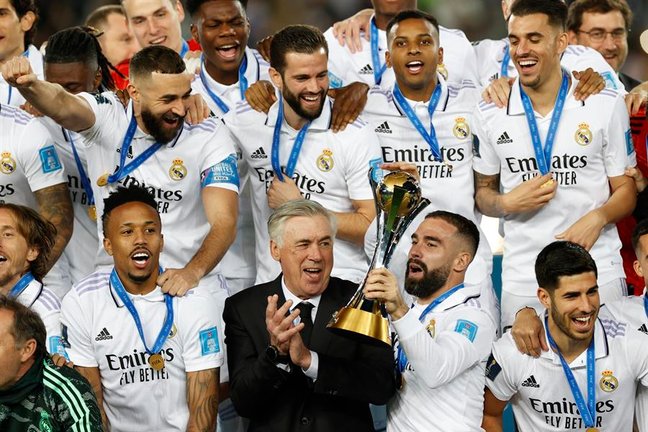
(200, 326)
(618, 148)
(500, 372)
(38, 157)
(336, 57)
(107, 110)
(367, 154)
(485, 159)
(75, 331)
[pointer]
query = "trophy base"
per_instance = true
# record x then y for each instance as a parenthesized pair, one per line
(361, 325)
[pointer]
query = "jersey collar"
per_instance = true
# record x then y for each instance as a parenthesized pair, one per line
(600, 347)
(31, 293)
(443, 103)
(321, 123)
(155, 296)
(515, 106)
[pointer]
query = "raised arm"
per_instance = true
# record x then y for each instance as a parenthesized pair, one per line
(202, 398)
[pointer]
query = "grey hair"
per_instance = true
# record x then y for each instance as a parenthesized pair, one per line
(296, 208)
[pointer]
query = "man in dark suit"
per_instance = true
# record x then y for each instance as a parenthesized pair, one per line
(287, 371)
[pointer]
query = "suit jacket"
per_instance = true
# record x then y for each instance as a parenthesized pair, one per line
(350, 375)
(628, 82)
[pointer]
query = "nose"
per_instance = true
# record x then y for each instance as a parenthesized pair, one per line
(314, 253)
(312, 86)
(139, 237)
(152, 27)
(522, 47)
(179, 107)
(415, 251)
(586, 304)
(608, 42)
(226, 29)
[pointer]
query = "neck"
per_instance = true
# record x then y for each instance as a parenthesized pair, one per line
(6, 287)
(543, 98)
(15, 53)
(293, 119)
(137, 288)
(423, 94)
(570, 348)
(138, 118)
(452, 282)
(382, 20)
(221, 76)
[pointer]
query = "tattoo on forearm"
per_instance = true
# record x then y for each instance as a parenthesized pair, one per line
(487, 194)
(55, 206)
(202, 397)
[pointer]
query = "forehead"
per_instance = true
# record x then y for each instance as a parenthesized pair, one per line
(6, 322)
(6, 4)
(136, 8)
(7, 218)
(116, 21)
(579, 282)
(434, 227)
(221, 9)
(133, 213)
(306, 228)
(302, 61)
(413, 26)
(161, 83)
(533, 23)
(613, 19)
(66, 72)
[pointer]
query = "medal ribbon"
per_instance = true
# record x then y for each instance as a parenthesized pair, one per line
(543, 155)
(587, 411)
(646, 304)
(20, 286)
(505, 61)
(430, 137)
(378, 68)
(168, 319)
(85, 181)
(276, 140)
(185, 49)
(124, 170)
(402, 357)
(243, 84)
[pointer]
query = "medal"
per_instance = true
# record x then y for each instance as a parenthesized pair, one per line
(92, 212)
(591, 430)
(103, 180)
(156, 361)
(547, 183)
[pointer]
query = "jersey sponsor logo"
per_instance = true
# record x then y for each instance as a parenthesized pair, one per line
(564, 414)
(610, 82)
(608, 382)
(49, 159)
(583, 135)
(259, 154)
(467, 328)
(492, 368)
(177, 171)
(7, 163)
(427, 165)
(383, 128)
(103, 335)
(101, 99)
(325, 161)
(134, 368)
(461, 130)
(564, 167)
(643, 329)
(77, 193)
(366, 70)
(504, 139)
(209, 341)
(224, 172)
(530, 382)
(306, 185)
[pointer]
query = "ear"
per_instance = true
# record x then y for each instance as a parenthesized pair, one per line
(275, 251)
(27, 22)
(133, 92)
(562, 42)
(32, 254)
(544, 297)
(637, 268)
(194, 32)
(180, 11)
(388, 59)
(27, 350)
(107, 246)
(462, 261)
(440, 55)
(276, 78)
(97, 79)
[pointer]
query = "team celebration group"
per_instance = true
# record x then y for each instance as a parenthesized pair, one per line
(180, 219)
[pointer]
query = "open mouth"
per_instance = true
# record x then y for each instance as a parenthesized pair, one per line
(414, 67)
(312, 273)
(229, 51)
(172, 120)
(158, 41)
(583, 323)
(527, 65)
(141, 259)
(415, 268)
(311, 99)
(2, 259)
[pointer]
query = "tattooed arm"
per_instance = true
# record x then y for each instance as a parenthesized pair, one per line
(487, 194)
(55, 205)
(202, 398)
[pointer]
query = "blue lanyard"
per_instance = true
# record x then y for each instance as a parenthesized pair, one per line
(587, 411)
(185, 49)
(85, 181)
(430, 137)
(646, 304)
(24, 54)
(168, 319)
(124, 170)
(378, 68)
(20, 286)
(243, 84)
(505, 61)
(543, 155)
(276, 140)
(402, 357)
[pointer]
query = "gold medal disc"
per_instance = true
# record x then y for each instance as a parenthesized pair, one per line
(92, 212)
(102, 181)
(549, 183)
(156, 361)
(591, 430)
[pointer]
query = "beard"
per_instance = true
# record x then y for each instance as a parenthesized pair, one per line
(293, 100)
(156, 126)
(432, 281)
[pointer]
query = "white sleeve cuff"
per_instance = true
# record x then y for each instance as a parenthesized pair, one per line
(407, 326)
(312, 370)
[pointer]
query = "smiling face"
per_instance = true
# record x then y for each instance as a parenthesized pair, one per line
(156, 22)
(305, 255)
(74, 77)
(15, 254)
(117, 41)
(614, 45)
(12, 31)
(222, 28)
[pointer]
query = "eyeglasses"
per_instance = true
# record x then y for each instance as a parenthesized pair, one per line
(598, 35)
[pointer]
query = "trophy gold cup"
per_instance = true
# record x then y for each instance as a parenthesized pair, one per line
(398, 201)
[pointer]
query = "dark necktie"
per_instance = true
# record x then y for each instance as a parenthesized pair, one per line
(305, 309)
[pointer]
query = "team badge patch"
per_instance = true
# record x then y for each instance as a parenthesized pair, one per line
(377, 173)
(209, 341)
(609, 81)
(583, 135)
(461, 130)
(7, 163)
(431, 327)
(177, 171)
(49, 160)
(629, 144)
(442, 70)
(325, 161)
(334, 80)
(492, 368)
(467, 328)
(173, 332)
(57, 346)
(224, 172)
(608, 382)
(45, 425)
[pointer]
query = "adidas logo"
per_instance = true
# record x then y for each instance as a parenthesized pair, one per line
(103, 335)
(367, 70)
(383, 128)
(493, 78)
(531, 382)
(259, 154)
(504, 139)
(643, 329)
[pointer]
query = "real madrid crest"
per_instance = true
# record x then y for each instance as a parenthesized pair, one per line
(583, 135)
(442, 70)
(173, 332)
(608, 382)
(177, 171)
(461, 130)
(7, 163)
(431, 327)
(325, 161)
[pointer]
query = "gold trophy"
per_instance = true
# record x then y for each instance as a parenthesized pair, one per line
(398, 201)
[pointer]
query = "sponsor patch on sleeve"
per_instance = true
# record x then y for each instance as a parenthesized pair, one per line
(209, 341)
(334, 80)
(56, 346)
(49, 160)
(629, 144)
(223, 172)
(492, 368)
(610, 82)
(377, 173)
(467, 328)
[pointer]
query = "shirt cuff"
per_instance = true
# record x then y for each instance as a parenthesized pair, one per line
(407, 326)
(312, 370)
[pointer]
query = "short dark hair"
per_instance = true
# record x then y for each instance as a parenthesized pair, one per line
(80, 44)
(562, 258)
(466, 228)
(303, 39)
(556, 10)
(194, 5)
(156, 58)
(411, 14)
(579, 7)
(38, 233)
(22, 7)
(26, 325)
(98, 18)
(639, 231)
(125, 195)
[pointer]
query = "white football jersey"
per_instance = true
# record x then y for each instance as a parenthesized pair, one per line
(346, 67)
(175, 174)
(593, 142)
(100, 332)
(539, 391)
(443, 381)
(332, 169)
(10, 95)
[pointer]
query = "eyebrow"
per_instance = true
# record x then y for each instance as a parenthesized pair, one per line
(528, 35)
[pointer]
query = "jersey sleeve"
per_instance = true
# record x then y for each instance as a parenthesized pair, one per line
(38, 157)
(336, 60)
(201, 330)
(76, 329)
(106, 111)
(485, 159)
(367, 154)
(618, 149)
(219, 167)
(579, 58)
(502, 368)
(637, 355)
(55, 343)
